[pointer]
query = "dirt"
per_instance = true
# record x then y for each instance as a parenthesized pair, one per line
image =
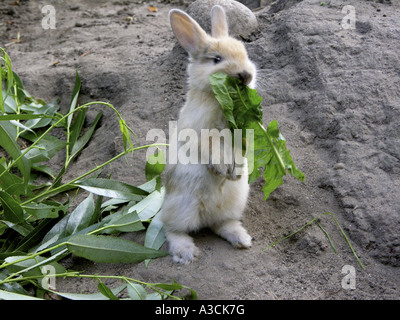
(334, 91)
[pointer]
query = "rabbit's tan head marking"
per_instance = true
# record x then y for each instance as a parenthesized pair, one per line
(213, 53)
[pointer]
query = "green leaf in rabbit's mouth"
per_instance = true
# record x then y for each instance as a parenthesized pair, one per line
(242, 109)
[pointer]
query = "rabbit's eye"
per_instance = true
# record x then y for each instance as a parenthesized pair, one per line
(217, 59)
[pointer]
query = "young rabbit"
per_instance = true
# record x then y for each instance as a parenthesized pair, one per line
(207, 194)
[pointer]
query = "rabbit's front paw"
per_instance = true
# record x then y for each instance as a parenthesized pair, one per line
(185, 253)
(182, 248)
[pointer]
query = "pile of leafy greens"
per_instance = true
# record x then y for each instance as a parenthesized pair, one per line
(267, 155)
(38, 224)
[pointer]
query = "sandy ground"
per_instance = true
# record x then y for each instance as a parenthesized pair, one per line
(334, 91)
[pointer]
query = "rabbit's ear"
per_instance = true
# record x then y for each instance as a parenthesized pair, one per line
(188, 32)
(219, 25)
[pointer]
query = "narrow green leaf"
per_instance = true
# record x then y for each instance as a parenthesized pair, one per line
(23, 116)
(81, 143)
(97, 211)
(149, 206)
(136, 291)
(151, 185)
(13, 287)
(155, 235)
(74, 99)
(9, 72)
(76, 127)
(112, 189)
(45, 149)
(10, 105)
(31, 267)
(23, 228)
(42, 210)
(105, 291)
(108, 249)
(158, 295)
(90, 296)
(169, 286)
(12, 209)
(17, 83)
(44, 169)
(81, 217)
(129, 222)
(47, 113)
(8, 136)
(2, 110)
(5, 295)
(11, 183)
(35, 235)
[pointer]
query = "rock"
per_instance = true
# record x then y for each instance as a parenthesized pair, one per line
(339, 166)
(242, 21)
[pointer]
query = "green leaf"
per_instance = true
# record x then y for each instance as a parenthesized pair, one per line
(108, 249)
(90, 296)
(11, 183)
(17, 83)
(76, 127)
(23, 116)
(136, 291)
(44, 169)
(151, 185)
(31, 267)
(8, 134)
(126, 137)
(149, 206)
(35, 235)
(22, 228)
(74, 100)
(12, 209)
(13, 287)
(169, 286)
(129, 222)
(45, 149)
(2, 110)
(47, 114)
(81, 143)
(5, 295)
(155, 235)
(56, 232)
(155, 165)
(242, 109)
(105, 291)
(10, 106)
(112, 189)
(43, 210)
(81, 217)
(8, 68)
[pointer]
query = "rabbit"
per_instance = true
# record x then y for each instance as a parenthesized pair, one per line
(206, 194)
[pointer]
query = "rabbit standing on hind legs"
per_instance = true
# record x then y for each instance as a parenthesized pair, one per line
(207, 193)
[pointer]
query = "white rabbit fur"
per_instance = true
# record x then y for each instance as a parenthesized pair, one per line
(206, 195)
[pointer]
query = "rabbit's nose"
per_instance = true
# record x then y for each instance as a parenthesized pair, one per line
(245, 77)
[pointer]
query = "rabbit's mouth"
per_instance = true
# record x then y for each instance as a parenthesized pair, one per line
(244, 76)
